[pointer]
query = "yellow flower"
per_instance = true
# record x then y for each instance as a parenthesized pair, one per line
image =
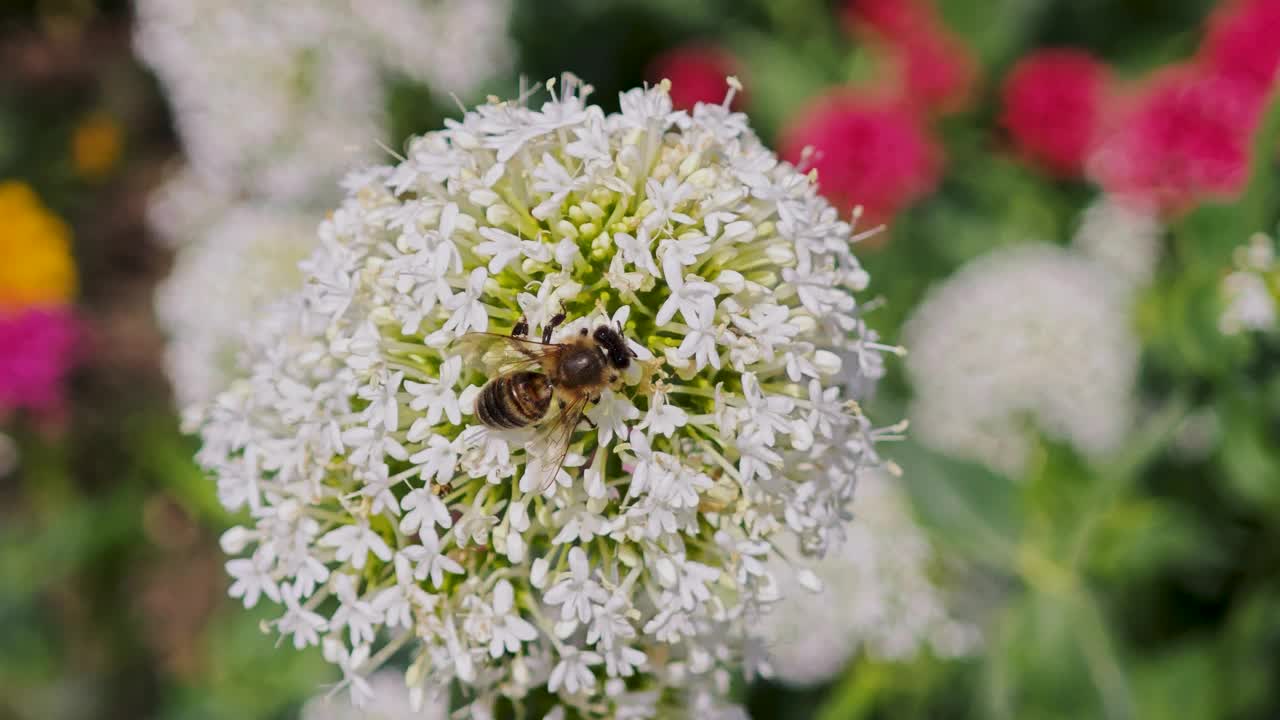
(35, 251)
(95, 146)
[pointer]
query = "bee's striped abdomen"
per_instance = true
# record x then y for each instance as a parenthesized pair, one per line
(514, 401)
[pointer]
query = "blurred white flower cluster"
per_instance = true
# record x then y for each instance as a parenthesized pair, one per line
(387, 519)
(877, 596)
(274, 103)
(279, 99)
(1251, 290)
(1028, 337)
(1123, 238)
(247, 258)
(388, 700)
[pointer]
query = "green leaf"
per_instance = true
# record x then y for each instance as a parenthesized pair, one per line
(970, 508)
(1143, 537)
(1248, 453)
(1184, 683)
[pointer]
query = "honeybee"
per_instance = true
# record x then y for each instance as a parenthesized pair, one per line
(533, 377)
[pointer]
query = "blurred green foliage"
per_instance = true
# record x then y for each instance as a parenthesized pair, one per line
(1144, 587)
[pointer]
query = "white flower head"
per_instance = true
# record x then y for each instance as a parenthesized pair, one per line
(1251, 292)
(1122, 237)
(1026, 337)
(384, 505)
(874, 594)
(281, 98)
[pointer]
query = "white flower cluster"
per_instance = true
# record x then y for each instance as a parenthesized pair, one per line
(388, 700)
(387, 519)
(1026, 337)
(1121, 237)
(282, 98)
(246, 259)
(877, 597)
(1252, 289)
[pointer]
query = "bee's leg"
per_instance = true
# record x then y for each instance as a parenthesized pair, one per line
(521, 328)
(591, 454)
(589, 422)
(550, 327)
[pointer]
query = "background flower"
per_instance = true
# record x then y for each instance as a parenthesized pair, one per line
(1250, 290)
(1183, 138)
(877, 597)
(867, 154)
(937, 70)
(36, 247)
(1240, 43)
(281, 99)
(697, 74)
(36, 354)
(246, 259)
(389, 701)
(1053, 103)
(1027, 335)
(1121, 237)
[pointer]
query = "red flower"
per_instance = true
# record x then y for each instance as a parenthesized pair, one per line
(1052, 104)
(36, 353)
(871, 154)
(937, 70)
(1184, 138)
(697, 73)
(1243, 43)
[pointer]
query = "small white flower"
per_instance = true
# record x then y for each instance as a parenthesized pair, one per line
(693, 297)
(635, 249)
(576, 592)
(423, 509)
(573, 672)
(429, 562)
(468, 311)
(252, 579)
(611, 415)
(353, 543)
(437, 398)
(499, 625)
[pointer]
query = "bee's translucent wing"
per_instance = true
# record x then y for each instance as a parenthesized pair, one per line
(550, 446)
(501, 354)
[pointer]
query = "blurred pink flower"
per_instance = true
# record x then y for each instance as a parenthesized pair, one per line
(1183, 138)
(697, 74)
(1243, 43)
(875, 155)
(1052, 105)
(37, 349)
(937, 71)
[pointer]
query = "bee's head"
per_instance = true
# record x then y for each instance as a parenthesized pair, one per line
(614, 346)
